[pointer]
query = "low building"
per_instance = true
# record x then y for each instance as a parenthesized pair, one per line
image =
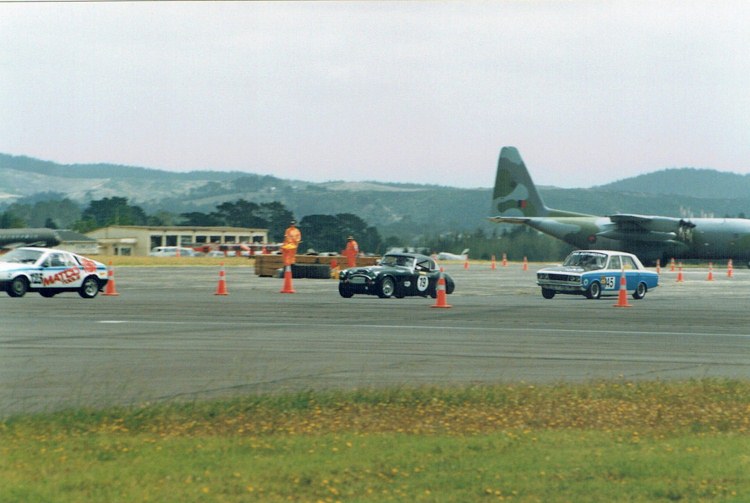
(76, 242)
(140, 240)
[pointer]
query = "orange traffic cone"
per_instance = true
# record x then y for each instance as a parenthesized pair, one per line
(493, 266)
(441, 300)
(671, 265)
(466, 263)
(505, 260)
(110, 289)
(710, 272)
(622, 295)
(287, 288)
(221, 288)
(680, 278)
(658, 266)
(730, 269)
(525, 264)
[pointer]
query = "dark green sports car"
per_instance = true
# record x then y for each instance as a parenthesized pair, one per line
(396, 275)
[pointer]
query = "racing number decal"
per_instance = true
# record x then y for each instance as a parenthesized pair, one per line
(422, 283)
(610, 283)
(36, 278)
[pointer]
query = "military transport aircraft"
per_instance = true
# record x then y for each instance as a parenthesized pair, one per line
(649, 237)
(13, 238)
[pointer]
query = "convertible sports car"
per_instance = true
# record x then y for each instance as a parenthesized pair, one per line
(49, 272)
(396, 275)
(594, 273)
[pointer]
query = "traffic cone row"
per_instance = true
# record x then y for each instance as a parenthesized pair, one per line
(221, 288)
(622, 295)
(441, 300)
(110, 289)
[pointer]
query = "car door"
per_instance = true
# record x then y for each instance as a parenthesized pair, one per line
(611, 276)
(632, 274)
(60, 270)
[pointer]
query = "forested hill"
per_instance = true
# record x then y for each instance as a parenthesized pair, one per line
(693, 182)
(392, 207)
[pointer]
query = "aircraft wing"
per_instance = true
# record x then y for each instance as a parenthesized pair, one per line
(509, 220)
(648, 228)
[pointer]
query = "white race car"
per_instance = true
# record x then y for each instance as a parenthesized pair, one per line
(49, 272)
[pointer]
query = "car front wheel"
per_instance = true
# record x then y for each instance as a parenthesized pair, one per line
(18, 287)
(640, 291)
(387, 287)
(548, 293)
(89, 288)
(594, 291)
(345, 291)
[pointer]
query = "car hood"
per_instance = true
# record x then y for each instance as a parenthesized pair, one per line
(374, 269)
(13, 266)
(565, 269)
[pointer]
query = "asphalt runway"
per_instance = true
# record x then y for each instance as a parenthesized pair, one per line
(166, 336)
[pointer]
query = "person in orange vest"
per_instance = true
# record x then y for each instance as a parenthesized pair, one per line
(351, 252)
(292, 238)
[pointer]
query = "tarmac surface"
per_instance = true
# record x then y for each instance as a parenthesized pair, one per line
(167, 336)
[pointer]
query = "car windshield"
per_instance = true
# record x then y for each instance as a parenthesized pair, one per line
(400, 260)
(21, 256)
(587, 261)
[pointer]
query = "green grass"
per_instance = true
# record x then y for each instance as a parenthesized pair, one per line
(607, 441)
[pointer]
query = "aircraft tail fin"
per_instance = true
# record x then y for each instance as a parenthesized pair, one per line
(515, 197)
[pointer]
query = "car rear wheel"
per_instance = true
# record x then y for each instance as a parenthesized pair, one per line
(18, 287)
(640, 291)
(594, 291)
(89, 288)
(548, 293)
(387, 288)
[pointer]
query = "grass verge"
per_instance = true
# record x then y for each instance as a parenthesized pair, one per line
(606, 441)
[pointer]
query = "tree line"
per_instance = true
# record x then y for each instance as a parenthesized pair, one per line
(322, 233)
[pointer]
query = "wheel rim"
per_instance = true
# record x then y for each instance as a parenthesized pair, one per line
(19, 287)
(387, 287)
(90, 287)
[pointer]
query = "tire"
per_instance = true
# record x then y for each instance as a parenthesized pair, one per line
(89, 288)
(345, 292)
(311, 271)
(47, 293)
(640, 291)
(387, 288)
(18, 287)
(594, 291)
(548, 293)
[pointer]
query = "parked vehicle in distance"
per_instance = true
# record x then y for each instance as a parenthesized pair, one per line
(49, 272)
(171, 251)
(594, 273)
(396, 275)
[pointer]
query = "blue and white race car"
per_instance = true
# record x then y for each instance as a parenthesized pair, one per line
(49, 272)
(594, 273)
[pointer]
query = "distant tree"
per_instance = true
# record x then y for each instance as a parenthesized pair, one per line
(8, 220)
(113, 211)
(329, 232)
(198, 219)
(276, 217)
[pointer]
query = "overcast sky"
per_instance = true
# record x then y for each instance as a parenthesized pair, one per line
(589, 91)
